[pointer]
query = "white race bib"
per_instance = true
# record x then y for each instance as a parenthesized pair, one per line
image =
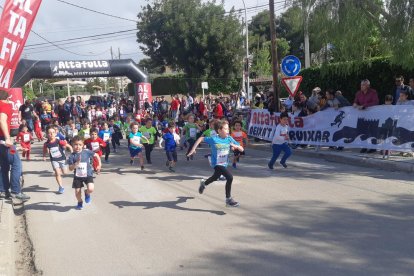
(238, 134)
(193, 132)
(136, 139)
(75, 132)
(26, 137)
(95, 146)
(86, 136)
(82, 169)
(222, 157)
(55, 152)
(106, 136)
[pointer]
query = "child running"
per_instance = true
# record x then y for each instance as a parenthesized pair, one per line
(95, 144)
(56, 149)
(172, 139)
(80, 162)
(38, 129)
(190, 132)
(220, 150)
(280, 142)
(106, 135)
(135, 147)
(25, 138)
(149, 132)
(241, 137)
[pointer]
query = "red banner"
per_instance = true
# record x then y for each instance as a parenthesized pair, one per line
(15, 25)
(16, 99)
(143, 91)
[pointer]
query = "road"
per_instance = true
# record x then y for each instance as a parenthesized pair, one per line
(314, 218)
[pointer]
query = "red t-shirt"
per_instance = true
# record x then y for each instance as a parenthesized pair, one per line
(6, 108)
(218, 111)
(174, 104)
(24, 138)
(95, 145)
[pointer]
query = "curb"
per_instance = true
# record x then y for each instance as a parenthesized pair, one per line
(7, 265)
(354, 160)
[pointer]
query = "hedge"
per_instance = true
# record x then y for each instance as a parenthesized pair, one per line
(347, 77)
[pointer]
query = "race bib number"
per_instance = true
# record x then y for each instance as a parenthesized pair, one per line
(95, 146)
(136, 140)
(193, 132)
(26, 137)
(106, 136)
(75, 132)
(222, 157)
(238, 134)
(82, 169)
(86, 136)
(55, 152)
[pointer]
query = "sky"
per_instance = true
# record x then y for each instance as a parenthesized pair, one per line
(58, 21)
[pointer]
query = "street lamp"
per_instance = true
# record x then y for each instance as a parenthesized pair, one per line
(247, 54)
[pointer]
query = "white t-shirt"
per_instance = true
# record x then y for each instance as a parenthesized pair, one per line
(280, 135)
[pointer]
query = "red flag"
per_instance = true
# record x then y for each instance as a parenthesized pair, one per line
(15, 25)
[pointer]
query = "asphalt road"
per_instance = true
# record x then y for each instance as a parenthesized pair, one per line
(314, 218)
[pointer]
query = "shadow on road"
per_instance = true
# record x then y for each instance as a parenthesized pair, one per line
(37, 189)
(48, 206)
(165, 204)
(318, 238)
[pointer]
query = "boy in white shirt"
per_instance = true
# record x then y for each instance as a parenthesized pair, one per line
(280, 142)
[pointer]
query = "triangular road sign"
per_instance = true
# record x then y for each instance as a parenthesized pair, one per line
(292, 84)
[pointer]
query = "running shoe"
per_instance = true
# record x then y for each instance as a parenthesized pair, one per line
(114, 150)
(149, 162)
(171, 169)
(283, 165)
(234, 166)
(131, 162)
(142, 168)
(21, 196)
(202, 186)
(87, 197)
(61, 190)
(270, 166)
(222, 178)
(79, 206)
(106, 161)
(230, 202)
(188, 158)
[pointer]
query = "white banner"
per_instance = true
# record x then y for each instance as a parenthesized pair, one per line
(379, 127)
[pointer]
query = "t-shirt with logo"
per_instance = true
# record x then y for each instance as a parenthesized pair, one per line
(6, 108)
(84, 168)
(56, 149)
(280, 135)
(95, 145)
(148, 133)
(190, 131)
(136, 138)
(220, 149)
(27, 111)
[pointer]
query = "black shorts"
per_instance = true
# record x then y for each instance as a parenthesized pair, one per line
(171, 155)
(238, 153)
(78, 182)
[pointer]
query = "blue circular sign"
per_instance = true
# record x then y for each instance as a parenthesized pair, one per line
(291, 66)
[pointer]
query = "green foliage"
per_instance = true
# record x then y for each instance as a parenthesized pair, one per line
(95, 82)
(194, 36)
(150, 66)
(347, 77)
(28, 93)
(168, 85)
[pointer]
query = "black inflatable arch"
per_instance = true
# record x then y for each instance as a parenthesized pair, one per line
(47, 69)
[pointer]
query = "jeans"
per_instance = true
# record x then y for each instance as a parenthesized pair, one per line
(277, 149)
(30, 125)
(10, 162)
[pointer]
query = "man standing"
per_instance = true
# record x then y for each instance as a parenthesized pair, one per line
(364, 98)
(400, 86)
(163, 106)
(175, 106)
(26, 111)
(9, 158)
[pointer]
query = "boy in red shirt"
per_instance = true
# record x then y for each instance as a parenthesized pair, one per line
(25, 138)
(95, 144)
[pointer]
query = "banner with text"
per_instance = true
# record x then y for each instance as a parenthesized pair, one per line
(379, 127)
(15, 25)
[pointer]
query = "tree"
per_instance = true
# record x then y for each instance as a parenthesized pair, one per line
(197, 37)
(150, 66)
(95, 82)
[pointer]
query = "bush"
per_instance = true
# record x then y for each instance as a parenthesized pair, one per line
(347, 77)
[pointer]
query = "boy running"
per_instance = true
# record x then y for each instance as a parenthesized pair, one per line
(149, 132)
(56, 149)
(280, 142)
(172, 139)
(106, 135)
(80, 162)
(95, 144)
(220, 150)
(135, 147)
(241, 137)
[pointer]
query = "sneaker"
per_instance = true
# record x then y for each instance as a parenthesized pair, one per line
(171, 169)
(270, 166)
(202, 186)
(149, 162)
(283, 165)
(2, 195)
(79, 206)
(222, 178)
(230, 202)
(131, 162)
(234, 166)
(142, 168)
(61, 190)
(87, 198)
(106, 161)
(21, 196)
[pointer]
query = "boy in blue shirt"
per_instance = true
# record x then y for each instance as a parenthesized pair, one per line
(106, 135)
(135, 146)
(220, 150)
(80, 162)
(172, 139)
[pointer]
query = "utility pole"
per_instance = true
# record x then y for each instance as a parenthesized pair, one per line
(275, 62)
(112, 54)
(122, 80)
(249, 96)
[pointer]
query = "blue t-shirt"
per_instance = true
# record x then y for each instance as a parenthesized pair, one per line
(85, 168)
(170, 144)
(105, 135)
(220, 149)
(136, 138)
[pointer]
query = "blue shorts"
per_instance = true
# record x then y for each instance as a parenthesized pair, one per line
(134, 152)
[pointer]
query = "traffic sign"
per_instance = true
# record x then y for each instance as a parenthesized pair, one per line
(292, 84)
(291, 66)
(204, 85)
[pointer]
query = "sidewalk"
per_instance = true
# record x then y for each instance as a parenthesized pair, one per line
(7, 237)
(395, 162)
